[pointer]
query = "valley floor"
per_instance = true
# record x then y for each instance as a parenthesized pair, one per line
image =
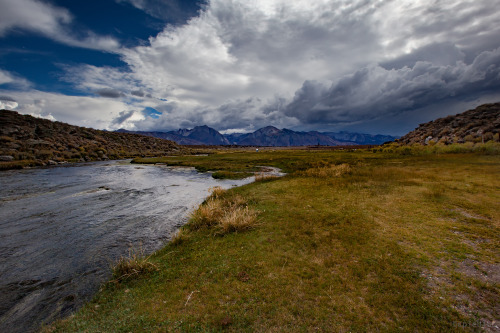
(347, 241)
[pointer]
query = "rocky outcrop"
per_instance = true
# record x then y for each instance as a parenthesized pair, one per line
(481, 124)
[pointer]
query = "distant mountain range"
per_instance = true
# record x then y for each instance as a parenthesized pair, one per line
(267, 136)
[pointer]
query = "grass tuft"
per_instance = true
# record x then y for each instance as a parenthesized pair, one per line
(179, 237)
(225, 215)
(134, 265)
(216, 192)
(237, 219)
(207, 214)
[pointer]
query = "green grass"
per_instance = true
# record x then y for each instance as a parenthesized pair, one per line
(348, 241)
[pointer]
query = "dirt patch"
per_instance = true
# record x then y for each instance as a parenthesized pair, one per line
(485, 272)
(470, 215)
(472, 288)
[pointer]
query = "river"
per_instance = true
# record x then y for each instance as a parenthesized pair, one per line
(61, 228)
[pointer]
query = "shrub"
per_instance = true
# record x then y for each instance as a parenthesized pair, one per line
(43, 154)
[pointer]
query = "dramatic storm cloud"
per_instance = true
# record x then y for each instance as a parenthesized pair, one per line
(324, 64)
(375, 92)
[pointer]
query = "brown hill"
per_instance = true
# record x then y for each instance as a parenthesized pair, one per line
(36, 141)
(479, 125)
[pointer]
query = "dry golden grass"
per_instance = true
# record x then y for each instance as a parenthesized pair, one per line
(216, 192)
(207, 214)
(328, 171)
(237, 219)
(132, 266)
(226, 215)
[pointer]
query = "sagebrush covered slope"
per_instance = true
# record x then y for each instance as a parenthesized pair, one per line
(481, 124)
(26, 138)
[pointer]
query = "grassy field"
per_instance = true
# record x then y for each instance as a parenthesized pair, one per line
(347, 241)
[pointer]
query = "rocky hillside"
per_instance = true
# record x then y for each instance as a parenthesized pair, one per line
(41, 141)
(479, 125)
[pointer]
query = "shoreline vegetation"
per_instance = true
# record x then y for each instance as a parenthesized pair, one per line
(392, 238)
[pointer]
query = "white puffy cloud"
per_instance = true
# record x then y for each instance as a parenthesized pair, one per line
(7, 103)
(50, 21)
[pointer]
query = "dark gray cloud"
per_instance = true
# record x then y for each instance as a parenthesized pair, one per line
(109, 93)
(7, 99)
(123, 116)
(376, 92)
(174, 11)
(138, 93)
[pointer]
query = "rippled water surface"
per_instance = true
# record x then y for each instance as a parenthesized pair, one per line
(60, 228)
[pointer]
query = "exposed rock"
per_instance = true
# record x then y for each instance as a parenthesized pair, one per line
(6, 158)
(481, 124)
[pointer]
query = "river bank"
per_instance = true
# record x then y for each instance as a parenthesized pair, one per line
(348, 241)
(62, 228)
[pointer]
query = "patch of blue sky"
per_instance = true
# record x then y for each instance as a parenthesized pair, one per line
(151, 112)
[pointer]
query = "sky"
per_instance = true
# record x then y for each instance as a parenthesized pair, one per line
(378, 67)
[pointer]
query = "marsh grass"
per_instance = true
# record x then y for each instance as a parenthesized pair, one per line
(216, 192)
(400, 243)
(208, 214)
(230, 175)
(179, 237)
(134, 265)
(224, 214)
(237, 219)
